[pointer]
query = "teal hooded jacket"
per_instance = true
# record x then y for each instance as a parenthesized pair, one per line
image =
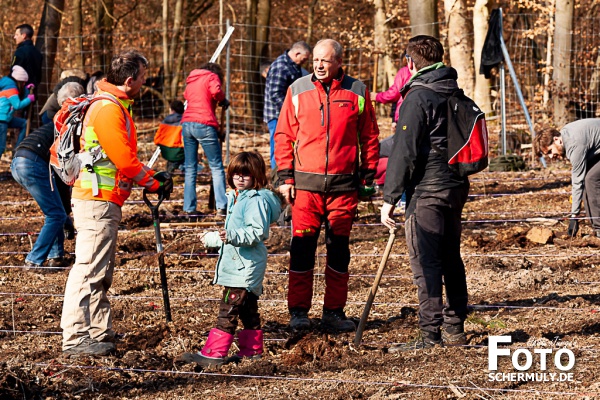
(243, 259)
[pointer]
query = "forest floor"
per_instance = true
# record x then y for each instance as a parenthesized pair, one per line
(545, 296)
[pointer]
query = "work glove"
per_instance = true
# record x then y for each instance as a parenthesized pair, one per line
(30, 87)
(31, 97)
(166, 184)
(224, 103)
(69, 229)
(573, 227)
(365, 192)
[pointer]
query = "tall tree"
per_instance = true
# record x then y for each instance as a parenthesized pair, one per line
(258, 15)
(173, 39)
(47, 42)
(423, 17)
(104, 31)
(481, 15)
(562, 60)
(460, 46)
(385, 72)
(78, 33)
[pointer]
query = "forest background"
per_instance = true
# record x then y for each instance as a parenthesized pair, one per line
(553, 46)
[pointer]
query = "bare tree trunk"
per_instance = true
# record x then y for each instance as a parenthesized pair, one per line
(481, 15)
(423, 17)
(47, 43)
(78, 33)
(258, 14)
(546, 95)
(165, 45)
(562, 60)
(386, 71)
(104, 29)
(311, 20)
(460, 46)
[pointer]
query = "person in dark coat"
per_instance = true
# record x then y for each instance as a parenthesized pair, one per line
(27, 55)
(435, 197)
(30, 169)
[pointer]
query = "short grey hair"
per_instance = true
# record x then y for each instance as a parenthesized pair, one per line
(337, 47)
(301, 46)
(69, 89)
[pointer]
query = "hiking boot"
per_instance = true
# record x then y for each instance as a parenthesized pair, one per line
(222, 212)
(299, 320)
(335, 320)
(454, 336)
(31, 266)
(424, 340)
(91, 347)
(54, 264)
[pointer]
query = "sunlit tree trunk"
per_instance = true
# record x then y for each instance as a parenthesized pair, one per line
(481, 15)
(423, 17)
(562, 60)
(460, 46)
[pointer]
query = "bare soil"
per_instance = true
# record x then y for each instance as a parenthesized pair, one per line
(542, 295)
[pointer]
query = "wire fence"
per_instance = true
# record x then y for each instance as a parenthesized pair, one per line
(526, 37)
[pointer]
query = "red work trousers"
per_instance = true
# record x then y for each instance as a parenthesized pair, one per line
(309, 210)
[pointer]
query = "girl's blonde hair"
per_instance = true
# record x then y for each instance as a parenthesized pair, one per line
(248, 163)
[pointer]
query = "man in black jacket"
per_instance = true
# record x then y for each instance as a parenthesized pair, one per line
(27, 55)
(435, 197)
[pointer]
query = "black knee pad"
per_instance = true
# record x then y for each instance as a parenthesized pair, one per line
(302, 253)
(338, 252)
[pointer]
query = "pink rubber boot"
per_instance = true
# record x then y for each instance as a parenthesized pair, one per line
(251, 345)
(214, 351)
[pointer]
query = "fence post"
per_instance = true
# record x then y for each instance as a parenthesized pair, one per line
(227, 94)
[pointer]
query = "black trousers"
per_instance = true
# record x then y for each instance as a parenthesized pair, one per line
(591, 196)
(238, 303)
(433, 237)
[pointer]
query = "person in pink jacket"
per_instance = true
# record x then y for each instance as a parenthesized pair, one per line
(393, 93)
(199, 123)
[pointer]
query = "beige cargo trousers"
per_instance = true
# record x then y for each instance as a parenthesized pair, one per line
(86, 310)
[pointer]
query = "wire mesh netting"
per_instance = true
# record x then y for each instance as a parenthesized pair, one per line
(526, 36)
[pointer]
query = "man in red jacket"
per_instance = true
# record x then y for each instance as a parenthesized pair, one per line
(326, 149)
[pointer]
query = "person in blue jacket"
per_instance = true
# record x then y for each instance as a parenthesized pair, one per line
(10, 101)
(242, 262)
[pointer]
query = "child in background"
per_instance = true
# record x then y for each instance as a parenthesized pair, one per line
(168, 137)
(10, 101)
(242, 261)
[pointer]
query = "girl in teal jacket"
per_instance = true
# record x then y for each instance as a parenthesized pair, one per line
(242, 261)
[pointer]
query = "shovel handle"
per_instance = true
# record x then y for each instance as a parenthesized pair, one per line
(363, 319)
(153, 207)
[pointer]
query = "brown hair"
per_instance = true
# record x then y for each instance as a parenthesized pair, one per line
(248, 163)
(544, 139)
(125, 65)
(424, 51)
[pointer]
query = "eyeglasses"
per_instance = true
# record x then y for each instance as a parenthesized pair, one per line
(241, 177)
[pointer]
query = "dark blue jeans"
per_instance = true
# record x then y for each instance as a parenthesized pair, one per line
(33, 174)
(18, 123)
(194, 134)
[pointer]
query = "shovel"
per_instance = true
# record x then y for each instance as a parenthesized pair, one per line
(373, 291)
(159, 250)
